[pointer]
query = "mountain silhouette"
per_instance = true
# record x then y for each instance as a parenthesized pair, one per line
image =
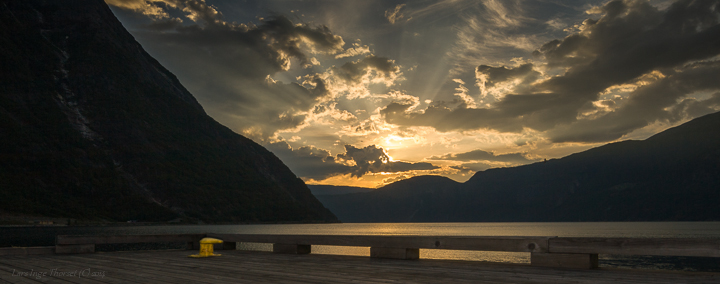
(92, 127)
(671, 176)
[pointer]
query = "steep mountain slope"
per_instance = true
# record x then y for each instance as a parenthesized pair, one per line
(674, 175)
(91, 126)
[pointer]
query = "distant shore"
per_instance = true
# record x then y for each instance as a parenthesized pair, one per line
(38, 221)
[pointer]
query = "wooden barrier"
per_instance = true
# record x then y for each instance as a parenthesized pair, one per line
(511, 244)
(565, 260)
(395, 253)
(545, 251)
(26, 250)
(65, 244)
(637, 246)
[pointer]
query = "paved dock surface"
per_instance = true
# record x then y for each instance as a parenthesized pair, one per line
(261, 267)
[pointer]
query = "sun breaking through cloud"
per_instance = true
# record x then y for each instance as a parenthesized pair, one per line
(444, 87)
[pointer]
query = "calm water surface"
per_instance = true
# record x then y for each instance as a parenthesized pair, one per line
(44, 236)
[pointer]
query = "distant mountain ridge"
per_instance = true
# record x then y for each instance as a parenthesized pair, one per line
(671, 176)
(321, 189)
(419, 198)
(92, 127)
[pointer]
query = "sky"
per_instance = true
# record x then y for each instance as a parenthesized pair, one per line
(368, 92)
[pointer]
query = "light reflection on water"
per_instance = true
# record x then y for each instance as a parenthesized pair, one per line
(511, 257)
(491, 256)
(43, 236)
(584, 229)
(594, 229)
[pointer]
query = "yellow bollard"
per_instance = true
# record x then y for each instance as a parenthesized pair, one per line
(206, 247)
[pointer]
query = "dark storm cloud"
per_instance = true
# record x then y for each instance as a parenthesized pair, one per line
(288, 38)
(319, 164)
(199, 10)
(352, 72)
(651, 101)
(480, 155)
(255, 51)
(629, 40)
(446, 119)
(492, 75)
(159, 10)
(162, 25)
(373, 159)
(308, 161)
(284, 109)
(694, 107)
(227, 65)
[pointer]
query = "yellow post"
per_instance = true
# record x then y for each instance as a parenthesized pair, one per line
(206, 247)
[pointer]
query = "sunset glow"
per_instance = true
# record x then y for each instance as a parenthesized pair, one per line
(365, 93)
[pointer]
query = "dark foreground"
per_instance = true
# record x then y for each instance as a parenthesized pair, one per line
(252, 267)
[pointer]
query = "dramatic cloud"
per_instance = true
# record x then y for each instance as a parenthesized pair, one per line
(446, 119)
(394, 15)
(309, 162)
(499, 81)
(492, 30)
(161, 10)
(373, 159)
(691, 107)
(318, 164)
(355, 50)
(629, 42)
(355, 72)
(664, 99)
(354, 79)
(140, 6)
(529, 79)
(231, 64)
(480, 155)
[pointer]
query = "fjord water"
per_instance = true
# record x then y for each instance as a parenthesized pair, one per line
(39, 236)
